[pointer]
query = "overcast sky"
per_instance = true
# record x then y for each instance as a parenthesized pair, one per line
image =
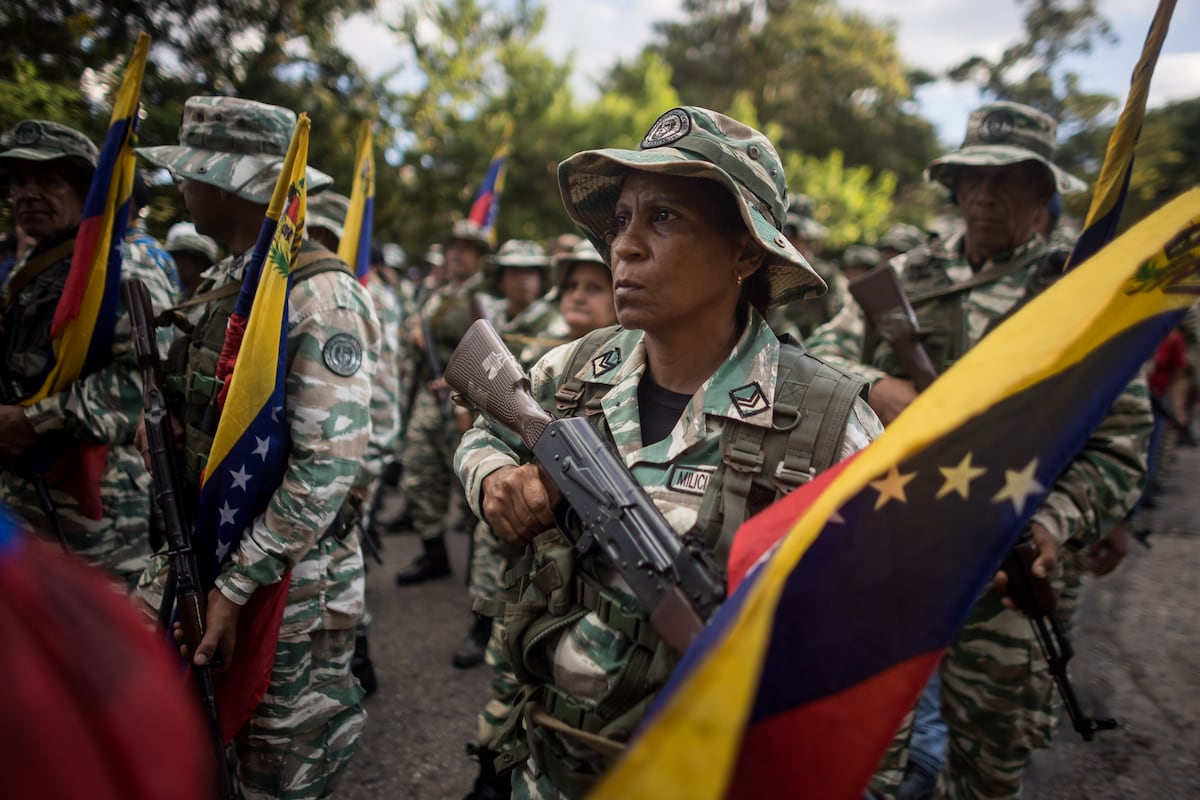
(932, 34)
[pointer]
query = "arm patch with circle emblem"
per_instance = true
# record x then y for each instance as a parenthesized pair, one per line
(343, 354)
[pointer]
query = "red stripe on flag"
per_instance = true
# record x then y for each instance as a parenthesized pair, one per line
(77, 278)
(760, 533)
(778, 750)
(243, 686)
(479, 209)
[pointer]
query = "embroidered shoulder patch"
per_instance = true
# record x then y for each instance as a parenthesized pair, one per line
(749, 399)
(606, 362)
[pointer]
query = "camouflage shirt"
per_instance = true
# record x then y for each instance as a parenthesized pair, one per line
(529, 335)
(1102, 484)
(581, 665)
(385, 393)
(102, 407)
(329, 419)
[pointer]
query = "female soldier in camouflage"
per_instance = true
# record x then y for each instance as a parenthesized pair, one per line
(690, 224)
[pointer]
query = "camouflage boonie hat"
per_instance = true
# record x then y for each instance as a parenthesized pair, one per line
(42, 140)
(434, 256)
(860, 255)
(328, 210)
(902, 237)
(698, 143)
(184, 238)
(464, 230)
(516, 253)
(234, 144)
(583, 253)
(1005, 133)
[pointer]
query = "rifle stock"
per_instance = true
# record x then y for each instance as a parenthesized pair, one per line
(185, 588)
(678, 585)
(882, 299)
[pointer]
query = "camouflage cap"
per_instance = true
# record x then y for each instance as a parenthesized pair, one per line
(860, 255)
(393, 255)
(234, 144)
(42, 140)
(699, 143)
(583, 253)
(1005, 133)
(464, 230)
(434, 256)
(184, 238)
(516, 253)
(902, 237)
(328, 210)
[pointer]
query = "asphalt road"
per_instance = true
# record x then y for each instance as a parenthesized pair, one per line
(1137, 659)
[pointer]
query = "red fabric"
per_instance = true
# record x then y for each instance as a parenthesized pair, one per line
(241, 688)
(78, 472)
(71, 298)
(755, 538)
(833, 767)
(92, 705)
(234, 333)
(1170, 359)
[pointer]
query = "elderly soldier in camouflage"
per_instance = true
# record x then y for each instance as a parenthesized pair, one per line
(691, 224)
(307, 726)
(47, 168)
(433, 430)
(997, 696)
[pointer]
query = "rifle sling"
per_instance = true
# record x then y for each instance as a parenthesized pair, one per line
(35, 267)
(990, 275)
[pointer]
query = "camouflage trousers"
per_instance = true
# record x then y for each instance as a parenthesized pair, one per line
(429, 481)
(998, 699)
(308, 724)
(118, 542)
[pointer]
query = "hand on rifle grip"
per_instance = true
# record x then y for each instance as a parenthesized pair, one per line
(519, 502)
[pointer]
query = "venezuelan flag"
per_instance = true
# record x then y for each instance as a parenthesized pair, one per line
(249, 451)
(1100, 226)
(355, 246)
(486, 205)
(82, 330)
(799, 681)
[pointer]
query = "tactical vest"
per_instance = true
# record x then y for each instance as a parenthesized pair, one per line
(30, 301)
(940, 306)
(191, 367)
(551, 590)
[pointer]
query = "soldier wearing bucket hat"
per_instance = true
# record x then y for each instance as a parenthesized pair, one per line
(193, 254)
(230, 154)
(430, 438)
(801, 317)
(900, 238)
(46, 168)
(962, 285)
(691, 224)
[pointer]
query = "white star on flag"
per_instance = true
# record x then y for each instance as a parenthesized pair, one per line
(223, 546)
(262, 448)
(240, 478)
(227, 513)
(1019, 486)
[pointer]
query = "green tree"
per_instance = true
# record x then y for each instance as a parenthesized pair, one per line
(831, 78)
(1032, 71)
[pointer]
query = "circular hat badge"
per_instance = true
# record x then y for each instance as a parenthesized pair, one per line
(669, 128)
(996, 126)
(27, 133)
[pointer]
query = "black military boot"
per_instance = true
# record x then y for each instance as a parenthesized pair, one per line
(474, 645)
(361, 666)
(431, 564)
(488, 785)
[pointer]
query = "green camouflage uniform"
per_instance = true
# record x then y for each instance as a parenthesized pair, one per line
(307, 726)
(430, 439)
(587, 656)
(998, 697)
(100, 408)
(802, 317)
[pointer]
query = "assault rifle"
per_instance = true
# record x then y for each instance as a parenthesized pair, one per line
(882, 299)
(183, 591)
(676, 582)
(1035, 598)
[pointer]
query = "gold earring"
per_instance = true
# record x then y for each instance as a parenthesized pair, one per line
(739, 279)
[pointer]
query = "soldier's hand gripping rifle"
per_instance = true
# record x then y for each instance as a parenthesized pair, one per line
(882, 299)
(184, 590)
(1034, 596)
(678, 584)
